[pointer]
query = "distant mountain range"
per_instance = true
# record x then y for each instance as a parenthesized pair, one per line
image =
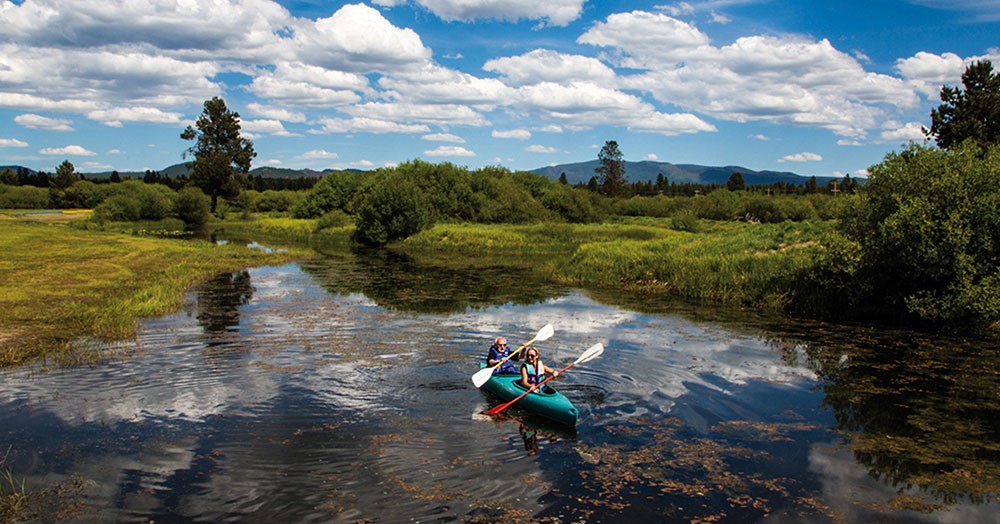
(577, 173)
(581, 172)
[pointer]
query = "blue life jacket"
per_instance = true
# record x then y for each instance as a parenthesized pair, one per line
(496, 353)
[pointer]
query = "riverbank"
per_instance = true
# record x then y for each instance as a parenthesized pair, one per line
(738, 263)
(64, 284)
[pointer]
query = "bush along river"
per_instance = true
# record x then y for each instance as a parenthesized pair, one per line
(339, 389)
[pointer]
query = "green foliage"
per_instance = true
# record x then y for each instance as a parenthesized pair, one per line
(973, 113)
(505, 201)
(928, 227)
(78, 195)
(685, 222)
(393, 208)
(736, 182)
(572, 204)
(650, 206)
(717, 205)
(221, 156)
(611, 171)
(748, 264)
(334, 219)
(132, 200)
(534, 183)
(193, 206)
(23, 197)
(273, 201)
(334, 191)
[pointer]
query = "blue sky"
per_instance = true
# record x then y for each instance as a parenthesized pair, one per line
(818, 88)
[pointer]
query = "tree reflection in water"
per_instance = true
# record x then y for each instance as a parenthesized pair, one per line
(219, 310)
(919, 413)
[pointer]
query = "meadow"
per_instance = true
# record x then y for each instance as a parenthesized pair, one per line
(64, 285)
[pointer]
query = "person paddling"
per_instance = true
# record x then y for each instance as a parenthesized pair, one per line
(499, 352)
(533, 370)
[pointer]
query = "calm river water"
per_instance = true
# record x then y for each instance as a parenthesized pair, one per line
(338, 390)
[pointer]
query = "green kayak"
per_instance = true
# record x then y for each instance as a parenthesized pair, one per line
(546, 401)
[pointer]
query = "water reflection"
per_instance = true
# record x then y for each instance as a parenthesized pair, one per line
(325, 392)
(919, 413)
(219, 310)
(397, 281)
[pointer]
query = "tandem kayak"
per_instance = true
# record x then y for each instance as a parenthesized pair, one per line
(545, 401)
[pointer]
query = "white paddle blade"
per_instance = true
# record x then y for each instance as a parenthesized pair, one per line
(591, 353)
(545, 333)
(482, 376)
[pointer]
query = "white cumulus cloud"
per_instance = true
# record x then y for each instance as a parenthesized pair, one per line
(33, 121)
(443, 137)
(552, 12)
(450, 151)
(517, 134)
(805, 156)
(318, 153)
(71, 150)
(903, 133)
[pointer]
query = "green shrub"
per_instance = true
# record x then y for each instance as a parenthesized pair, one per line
(393, 208)
(334, 191)
(333, 219)
(720, 204)
(928, 225)
(685, 221)
(572, 204)
(23, 197)
(193, 206)
(273, 201)
(650, 206)
(118, 208)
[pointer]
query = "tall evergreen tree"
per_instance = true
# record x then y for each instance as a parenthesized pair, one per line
(611, 170)
(736, 182)
(970, 113)
(221, 156)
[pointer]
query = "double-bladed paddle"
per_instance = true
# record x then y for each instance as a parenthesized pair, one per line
(590, 354)
(483, 375)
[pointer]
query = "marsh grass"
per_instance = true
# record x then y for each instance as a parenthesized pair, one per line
(13, 496)
(299, 229)
(61, 284)
(525, 239)
(731, 262)
(746, 264)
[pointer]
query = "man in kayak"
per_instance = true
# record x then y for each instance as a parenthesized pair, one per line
(533, 370)
(498, 352)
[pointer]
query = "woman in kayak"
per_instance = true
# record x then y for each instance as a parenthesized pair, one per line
(533, 370)
(498, 352)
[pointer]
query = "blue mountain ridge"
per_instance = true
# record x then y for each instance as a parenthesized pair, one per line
(581, 172)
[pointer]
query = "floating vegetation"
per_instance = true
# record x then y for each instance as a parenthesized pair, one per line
(682, 476)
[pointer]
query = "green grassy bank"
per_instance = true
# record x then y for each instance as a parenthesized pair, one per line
(60, 283)
(739, 263)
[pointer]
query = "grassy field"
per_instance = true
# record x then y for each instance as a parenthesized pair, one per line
(59, 284)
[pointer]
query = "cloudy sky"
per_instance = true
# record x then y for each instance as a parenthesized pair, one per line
(819, 88)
